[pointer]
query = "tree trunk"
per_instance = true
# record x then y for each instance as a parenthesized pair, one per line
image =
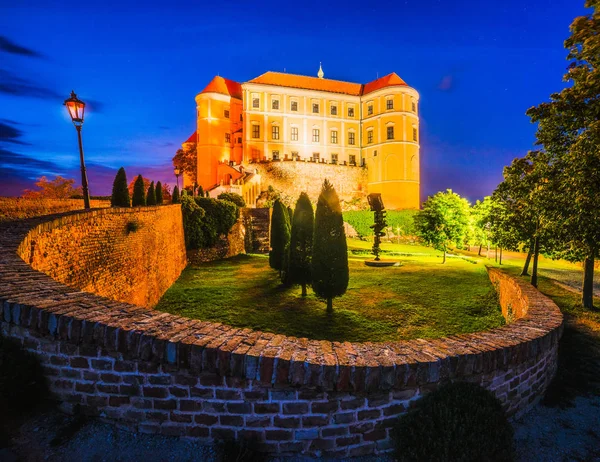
(487, 255)
(524, 271)
(496, 254)
(330, 305)
(587, 292)
(536, 254)
(500, 255)
(479, 253)
(444, 260)
(304, 290)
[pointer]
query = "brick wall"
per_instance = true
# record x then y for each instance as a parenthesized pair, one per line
(292, 178)
(159, 373)
(129, 255)
(17, 208)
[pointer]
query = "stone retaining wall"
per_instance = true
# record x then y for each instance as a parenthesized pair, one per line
(160, 373)
(18, 208)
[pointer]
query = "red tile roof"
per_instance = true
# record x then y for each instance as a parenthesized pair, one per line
(389, 80)
(192, 139)
(225, 87)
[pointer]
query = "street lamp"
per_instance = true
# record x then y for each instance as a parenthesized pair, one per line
(76, 108)
(177, 172)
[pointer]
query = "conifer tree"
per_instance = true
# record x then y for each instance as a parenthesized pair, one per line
(139, 196)
(151, 196)
(200, 191)
(301, 241)
(329, 263)
(280, 236)
(175, 197)
(159, 193)
(120, 192)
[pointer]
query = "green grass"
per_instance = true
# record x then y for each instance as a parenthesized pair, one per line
(420, 299)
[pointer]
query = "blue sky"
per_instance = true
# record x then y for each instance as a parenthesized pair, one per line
(477, 65)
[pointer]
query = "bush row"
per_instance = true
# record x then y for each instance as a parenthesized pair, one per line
(206, 219)
(399, 221)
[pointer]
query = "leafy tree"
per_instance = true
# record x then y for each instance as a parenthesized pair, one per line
(58, 188)
(569, 131)
(139, 196)
(187, 160)
(301, 241)
(280, 236)
(480, 220)
(193, 221)
(231, 197)
(219, 217)
(159, 193)
(443, 221)
(120, 193)
(151, 195)
(175, 198)
(329, 265)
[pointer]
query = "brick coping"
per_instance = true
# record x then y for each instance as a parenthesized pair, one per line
(34, 301)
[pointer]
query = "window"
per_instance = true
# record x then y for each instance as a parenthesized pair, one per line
(334, 158)
(294, 106)
(241, 118)
(390, 133)
(315, 108)
(370, 109)
(294, 133)
(352, 159)
(389, 104)
(255, 103)
(275, 155)
(227, 137)
(226, 114)
(414, 134)
(240, 140)
(315, 157)
(315, 135)
(414, 107)
(334, 136)
(333, 110)
(369, 136)
(255, 131)
(375, 153)
(275, 104)
(350, 112)
(275, 132)
(351, 138)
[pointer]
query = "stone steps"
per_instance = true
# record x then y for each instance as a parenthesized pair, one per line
(260, 220)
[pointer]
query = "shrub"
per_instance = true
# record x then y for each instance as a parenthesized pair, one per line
(151, 197)
(280, 236)
(233, 197)
(139, 196)
(458, 422)
(132, 226)
(120, 192)
(175, 198)
(193, 217)
(159, 193)
(402, 220)
(22, 382)
(330, 273)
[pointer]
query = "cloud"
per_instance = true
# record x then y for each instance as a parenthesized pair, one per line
(10, 134)
(11, 84)
(447, 83)
(11, 159)
(11, 47)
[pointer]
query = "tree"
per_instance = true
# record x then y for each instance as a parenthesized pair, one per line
(159, 193)
(132, 184)
(175, 198)
(58, 188)
(569, 131)
(231, 197)
(120, 193)
(200, 191)
(301, 241)
(139, 196)
(280, 237)
(329, 264)
(480, 221)
(443, 221)
(151, 195)
(187, 161)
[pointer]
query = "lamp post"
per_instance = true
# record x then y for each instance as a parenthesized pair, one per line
(76, 108)
(177, 172)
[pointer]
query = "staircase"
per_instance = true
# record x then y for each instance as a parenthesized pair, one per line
(258, 226)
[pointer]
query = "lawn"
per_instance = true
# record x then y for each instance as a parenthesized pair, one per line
(420, 299)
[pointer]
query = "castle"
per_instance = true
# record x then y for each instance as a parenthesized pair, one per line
(367, 133)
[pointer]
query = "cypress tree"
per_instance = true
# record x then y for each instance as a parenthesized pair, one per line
(329, 264)
(159, 196)
(120, 192)
(139, 198)
(290, 215)
(301, 242)
(280, 236)
(175, 197)
(151, 197)
(200, 191)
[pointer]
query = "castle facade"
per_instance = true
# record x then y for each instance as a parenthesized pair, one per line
(279, 117)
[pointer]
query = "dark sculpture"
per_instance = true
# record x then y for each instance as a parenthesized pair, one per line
(376, 205)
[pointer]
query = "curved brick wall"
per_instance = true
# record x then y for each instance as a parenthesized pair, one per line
(155, 372)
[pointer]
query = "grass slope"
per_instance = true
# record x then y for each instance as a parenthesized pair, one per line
(422, 298)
